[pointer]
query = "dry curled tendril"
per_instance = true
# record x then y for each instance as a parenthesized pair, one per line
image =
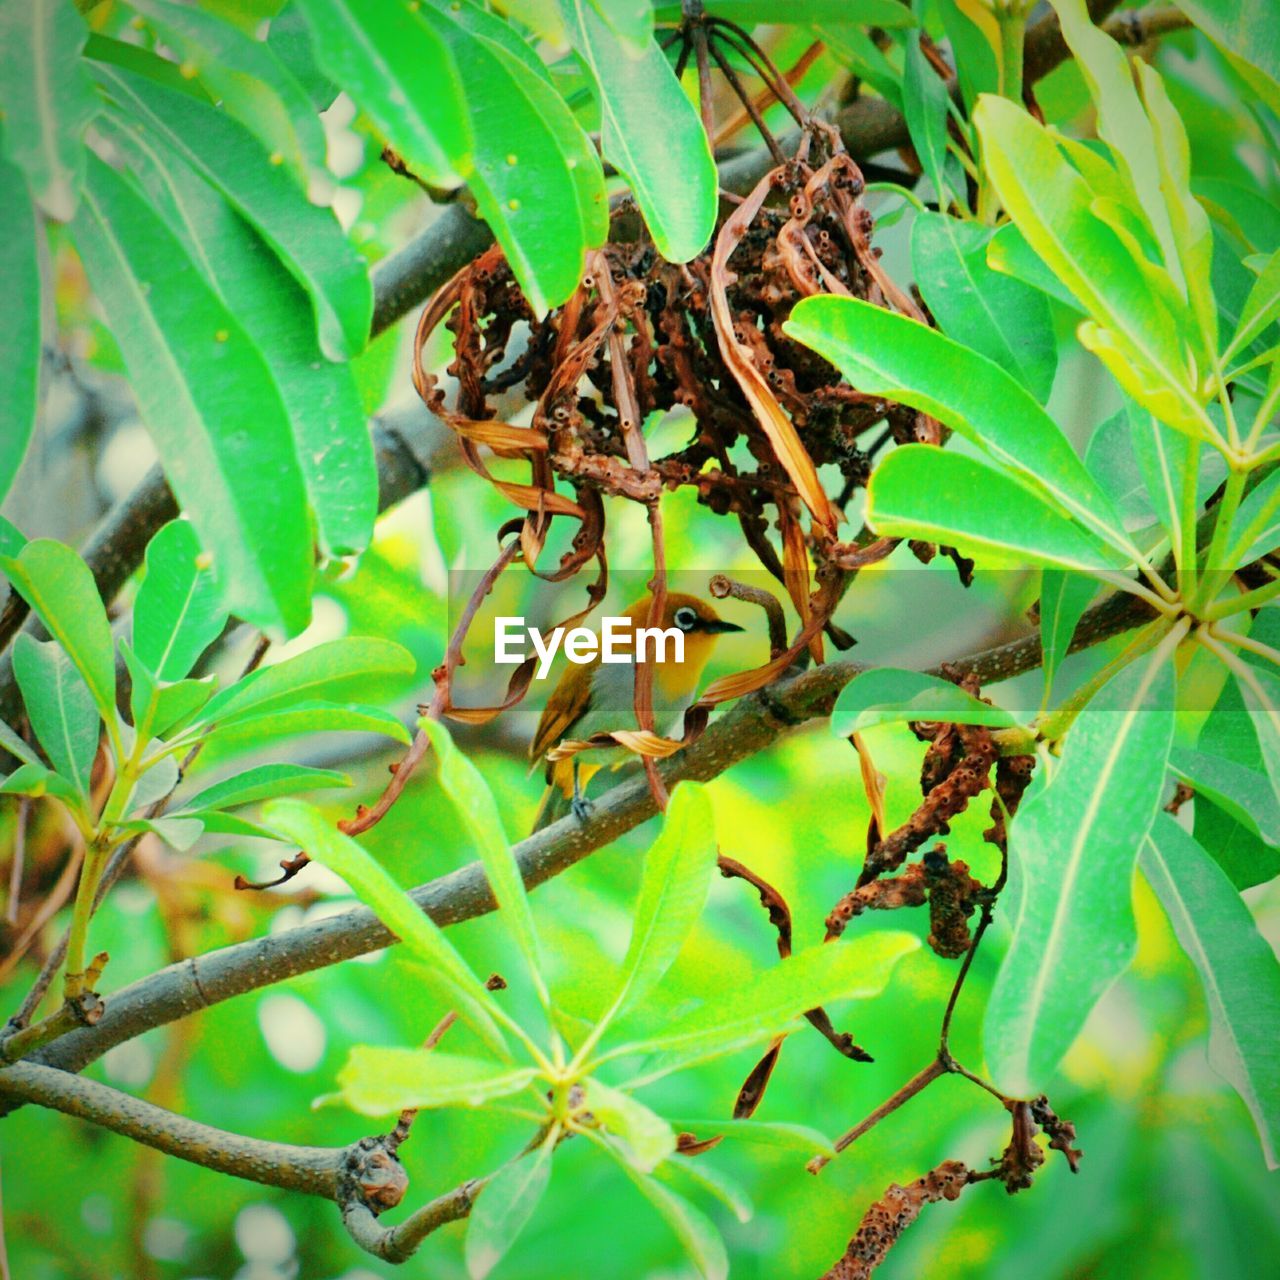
(641, 337)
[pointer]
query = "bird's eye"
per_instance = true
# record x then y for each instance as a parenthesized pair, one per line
(686, 618)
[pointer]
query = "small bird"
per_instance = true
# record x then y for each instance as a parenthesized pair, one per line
(597, 697)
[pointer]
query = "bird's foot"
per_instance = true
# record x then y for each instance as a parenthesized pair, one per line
(581, 808)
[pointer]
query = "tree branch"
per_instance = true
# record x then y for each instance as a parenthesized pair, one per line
(315, 1170)
(748, 727)
(401, 1242)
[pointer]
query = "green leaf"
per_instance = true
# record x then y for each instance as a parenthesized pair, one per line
(16, 746)
(306, 238)
(1260, 689)
(1074, 846)
(556, 169)
(771, 1004)
(1261, 308)
(401, 72)
(379, 1082)
(474, 802)
(1242, 792)
(649, 1138)
(924, 103)
(1237, 969)
(48, 99)
(178, 611)
(673, 890)
(767, 1133)
(1064, 597)
(20, 354)
(60, 707)
(61, 591)
(249, 80)
(691, 1226)
(920, 491)
(328, 669)
(309, 829)
(12, 539)
(994, 314)
(264, 783)
(510, 1199)
(35, 780)
(157, 705)
(1011, 255)
(1052, 206)
(178, 832)
(1228, 734)
(330, 431)
(194, 370)
(307, 717)
(652, 133)
(880, 352)
(217, 822)
(707, 1177)
(888, 695)
(630, 20)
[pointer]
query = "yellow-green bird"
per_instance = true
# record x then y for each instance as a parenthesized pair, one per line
(597, 697)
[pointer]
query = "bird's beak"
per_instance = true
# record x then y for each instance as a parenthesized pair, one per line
(720, 627)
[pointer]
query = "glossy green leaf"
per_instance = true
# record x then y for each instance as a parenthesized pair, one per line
(924, 103)
(920, 491)
(880, 352)
(178, 611)
(1260, 688)
(290, 39)
(766, 1133)
(196, 372)
(264, 783)
(13, 742)
(330, 431)
(652, 133)
(1009, 254)
(467, 790)
(306, 238)
(1237, 969)
(20, 354)
(1228, 735)
(1074, 845)
(323, 671)
(1259, 514)
(61, 591)
(630, 20)
(12, 539)
(1052, 206)
(60, 707)
(401, 72)
(48, 99)
(158, 705)
(314, 833)
(714, 1181)
(178, 832)
(649, 1138)
(250, 82)
(311, 715)
(380, 1082)
(691, 1226)
(994, 314)
(887, 695)
(510, 1199)
(673, 890)
(1111, 461)
(1064, 597)
(771, 1003)
(1242, 792)
(1261, 308)
(35, 780)
(525, 187)
(156, 782)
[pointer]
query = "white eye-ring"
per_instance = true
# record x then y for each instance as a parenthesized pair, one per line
(686, 618)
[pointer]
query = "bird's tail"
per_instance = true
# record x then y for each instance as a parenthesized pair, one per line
(555, 805)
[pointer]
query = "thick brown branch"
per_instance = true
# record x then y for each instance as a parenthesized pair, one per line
(748, 727)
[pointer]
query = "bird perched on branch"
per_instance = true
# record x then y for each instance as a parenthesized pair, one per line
(598, 697)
